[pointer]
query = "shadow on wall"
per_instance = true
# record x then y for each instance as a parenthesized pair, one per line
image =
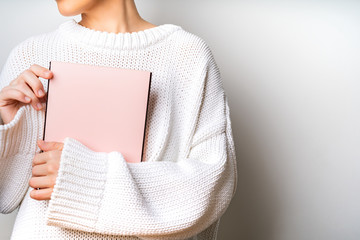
(255, 210)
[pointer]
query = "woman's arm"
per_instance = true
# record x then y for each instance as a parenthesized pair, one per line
(17, 148)
(167, 199)
(17, 140)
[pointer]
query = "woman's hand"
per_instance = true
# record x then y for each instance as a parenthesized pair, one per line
(45, 169)
(25, 89)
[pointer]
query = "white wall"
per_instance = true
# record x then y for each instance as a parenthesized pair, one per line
(291, 72)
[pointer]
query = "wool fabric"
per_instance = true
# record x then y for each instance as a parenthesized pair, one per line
(188, 176)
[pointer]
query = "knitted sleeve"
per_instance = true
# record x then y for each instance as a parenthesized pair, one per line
(17, 147)
(100, 192)
(9, 133)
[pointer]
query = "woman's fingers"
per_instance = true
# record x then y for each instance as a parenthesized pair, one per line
(34, 82)
(40, 158)
(25, 89)
(41, 182)
(40, 71)
(10, 94)
(40, 170)
(41, 194)
(33, 88)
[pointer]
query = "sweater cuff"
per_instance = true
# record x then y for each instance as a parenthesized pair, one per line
(77, 194)
(15, 134)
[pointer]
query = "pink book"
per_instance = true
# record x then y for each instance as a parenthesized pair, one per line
(104, 108)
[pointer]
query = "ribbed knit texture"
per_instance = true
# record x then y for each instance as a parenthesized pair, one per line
(188, 175)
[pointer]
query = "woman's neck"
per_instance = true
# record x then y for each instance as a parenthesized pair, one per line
(114, 16)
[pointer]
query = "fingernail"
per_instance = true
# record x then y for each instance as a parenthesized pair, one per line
(27, 99)
(40, 92)
(39, 105)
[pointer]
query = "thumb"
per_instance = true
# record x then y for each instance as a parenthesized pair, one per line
(47, 146)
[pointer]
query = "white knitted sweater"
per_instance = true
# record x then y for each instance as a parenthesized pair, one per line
(188, 175)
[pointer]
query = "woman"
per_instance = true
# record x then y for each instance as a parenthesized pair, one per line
(188, 176)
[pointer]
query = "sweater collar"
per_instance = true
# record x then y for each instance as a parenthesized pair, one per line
(120, 41)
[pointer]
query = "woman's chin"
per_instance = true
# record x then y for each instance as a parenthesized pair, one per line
(67, 8)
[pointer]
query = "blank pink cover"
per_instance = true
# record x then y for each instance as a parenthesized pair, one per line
(104, 108)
